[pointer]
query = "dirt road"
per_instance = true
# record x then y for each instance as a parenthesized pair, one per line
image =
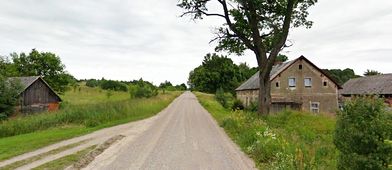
(183, 136)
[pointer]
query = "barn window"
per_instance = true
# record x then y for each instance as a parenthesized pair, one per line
(308, 82)
(292, 82)
(315, 107)
(277, 84)
(300, 67)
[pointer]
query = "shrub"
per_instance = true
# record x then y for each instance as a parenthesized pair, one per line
(225, 99)
(92, 83)
(9, 90)
(140, 90)
(237, 105)
(113, 85)
(362, 130)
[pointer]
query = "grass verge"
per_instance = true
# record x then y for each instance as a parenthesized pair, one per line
(29, 133)
(287, 140)
(40, 156)
(66, 161)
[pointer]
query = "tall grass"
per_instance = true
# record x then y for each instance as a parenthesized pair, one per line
(287, 140)
(88, 115)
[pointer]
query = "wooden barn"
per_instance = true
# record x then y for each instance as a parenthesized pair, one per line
(36, 95)
(372, 85)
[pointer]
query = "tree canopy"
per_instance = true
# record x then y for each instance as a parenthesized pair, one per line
(218, 72)
(342, 76)
(371, 73)
(45, 64)
(261, 26)
(9, 91)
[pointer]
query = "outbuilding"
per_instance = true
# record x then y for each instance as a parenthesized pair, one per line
(36, 95)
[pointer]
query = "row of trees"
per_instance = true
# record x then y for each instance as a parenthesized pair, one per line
(219, 72)
(45, 64)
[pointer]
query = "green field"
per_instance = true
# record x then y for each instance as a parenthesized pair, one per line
(81, 112)
(287, 140)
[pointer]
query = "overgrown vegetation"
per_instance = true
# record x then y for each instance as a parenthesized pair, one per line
(288, 140)
(82, 112)
(9, 91)
(219, 72)
(363, 130)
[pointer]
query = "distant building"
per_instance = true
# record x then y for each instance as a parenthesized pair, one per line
(36, 95)
(296, 84)
(372, 85)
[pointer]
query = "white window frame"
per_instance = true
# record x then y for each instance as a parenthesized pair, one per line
(315, 109)
(295, 82)
(308, 78)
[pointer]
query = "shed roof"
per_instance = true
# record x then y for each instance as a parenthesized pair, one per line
(253, 82)
(26, 82)
(379, 84)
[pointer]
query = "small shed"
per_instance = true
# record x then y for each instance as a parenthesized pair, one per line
(36, 95)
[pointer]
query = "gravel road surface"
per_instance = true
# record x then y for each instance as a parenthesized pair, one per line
(183, 136)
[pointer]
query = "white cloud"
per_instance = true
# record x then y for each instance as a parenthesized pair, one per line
(146, 38)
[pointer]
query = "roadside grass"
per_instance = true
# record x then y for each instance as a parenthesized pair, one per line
(66, 161)
(87, 95)
(40, 156)
(27, 133)
(287, 140)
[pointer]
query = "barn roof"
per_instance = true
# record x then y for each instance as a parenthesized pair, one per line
(26, 82)
(253, 82)
(379, 84)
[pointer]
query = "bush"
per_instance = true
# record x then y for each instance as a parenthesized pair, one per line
(142, 89)
(113, 85)
(9, 91)
(225, 99)
(92, 83)
(237, 105)
(363, 128)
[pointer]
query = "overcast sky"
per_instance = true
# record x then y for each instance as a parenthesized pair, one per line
(126, 40)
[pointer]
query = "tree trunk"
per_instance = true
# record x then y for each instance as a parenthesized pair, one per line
(264, 93)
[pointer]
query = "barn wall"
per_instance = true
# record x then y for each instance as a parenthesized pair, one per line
(39, 97)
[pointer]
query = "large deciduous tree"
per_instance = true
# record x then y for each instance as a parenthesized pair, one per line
(261, 26)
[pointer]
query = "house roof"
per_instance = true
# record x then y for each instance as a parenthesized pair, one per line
(26, 82)
(379, 84)
(253, 82)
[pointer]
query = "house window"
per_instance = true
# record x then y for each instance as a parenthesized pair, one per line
(292, 82)
(315, 107)
(277, 84)
(308, 82)
(300, 67)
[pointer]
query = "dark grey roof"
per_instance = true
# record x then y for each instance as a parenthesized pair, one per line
(379, 84)
(25, 81)
(253, 82)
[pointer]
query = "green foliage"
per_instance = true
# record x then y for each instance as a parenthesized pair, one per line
(143, 89)
(218, 72)
(362, 130)
(237, 105)
(9, 95)
(287, 140)
(225, 99)
(282, 58)
(93, 83)
(342, 76)
(371, 73)
(169, 86)
(44, 64)
(88, 115)
(113, 85)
